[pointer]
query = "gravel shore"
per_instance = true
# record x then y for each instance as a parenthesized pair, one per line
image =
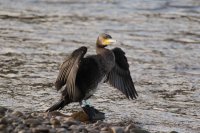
(55, 122)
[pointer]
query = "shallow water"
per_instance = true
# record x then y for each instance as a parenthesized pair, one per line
(161, 39)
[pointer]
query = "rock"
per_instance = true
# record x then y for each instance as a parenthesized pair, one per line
(2, 127)
(24, 131)
(9, 129)
(3, 121)
(19, 128)
(61, 130)
(52, 130)
(46, 122)
(117, 130)
(82, 129)
(105, 132)
(72, 127)
(137, 130)
(40, 130)
(3, 110)
(173, 132)
(33, 114)
(54, 122)
(129, 127)
(55, 113)
(80, 116)
(71, 122)
(97, 123)
(17, 113)
(32, 122)
(65, 125)
(104, 129)
(93, 130)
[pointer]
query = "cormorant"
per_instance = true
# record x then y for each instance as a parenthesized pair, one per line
(81, 75)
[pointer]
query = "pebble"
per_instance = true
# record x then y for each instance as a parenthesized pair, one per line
(104, 129)
(3, 111)
(24, 131)
(40, 130)
(137, 130)
(65, 125)
(54, 121)
(117, 129)
(17, 113)
(61, 130)
(72, 122)
(105, 132)
(173, 132)
(3, 121)
(32, 122)
(19, 122)
(129, 127)
(2, 127)
(72, 127)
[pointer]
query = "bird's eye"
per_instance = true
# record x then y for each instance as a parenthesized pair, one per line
(108, 36)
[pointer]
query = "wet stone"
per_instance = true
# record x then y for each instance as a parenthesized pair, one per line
(105, 132)
(3, 121)
(61, 130)
(24, 131)
(173, 132)
(2, 127)
(54, 121)
(40, 130)
(10, 129)
(72, 127)
(117, 130)
(32, 122)
(52, 130)
(64, 125)
(130, 126)
(93, 131)
(82, 129)
(72, 122)
(104, 129)
(19, 128)
(3, 111)
(17, 113)
(137, 130)
(46, 122)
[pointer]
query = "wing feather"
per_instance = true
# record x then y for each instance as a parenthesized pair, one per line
(68, 71)
(120, 77)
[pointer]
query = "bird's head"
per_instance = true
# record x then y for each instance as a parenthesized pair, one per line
(104, 40)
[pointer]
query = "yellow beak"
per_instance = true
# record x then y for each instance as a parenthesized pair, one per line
(109, 41)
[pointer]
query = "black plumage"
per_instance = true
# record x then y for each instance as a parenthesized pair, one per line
(81, 75)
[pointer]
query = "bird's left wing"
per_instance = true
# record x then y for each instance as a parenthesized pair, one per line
(120, 77)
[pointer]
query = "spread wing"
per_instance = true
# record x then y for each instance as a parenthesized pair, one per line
(68, 71)
(120, 77)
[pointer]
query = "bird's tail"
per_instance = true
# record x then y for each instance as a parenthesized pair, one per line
(57, 106)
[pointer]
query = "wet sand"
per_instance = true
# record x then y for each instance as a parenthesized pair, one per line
(161, 39)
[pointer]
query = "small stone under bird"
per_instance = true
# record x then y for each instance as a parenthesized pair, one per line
(80, 74)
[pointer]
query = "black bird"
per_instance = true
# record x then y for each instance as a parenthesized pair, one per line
(81, 75)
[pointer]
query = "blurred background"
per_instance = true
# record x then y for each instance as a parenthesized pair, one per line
(161, 39)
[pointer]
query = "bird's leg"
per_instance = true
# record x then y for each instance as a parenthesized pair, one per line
(93, 114)
(84, 103)
(88, 109)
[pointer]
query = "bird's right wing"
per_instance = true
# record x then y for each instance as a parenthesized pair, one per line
(68, 71)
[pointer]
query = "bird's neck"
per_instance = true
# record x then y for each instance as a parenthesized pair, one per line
(101, 50)
(108, 58)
